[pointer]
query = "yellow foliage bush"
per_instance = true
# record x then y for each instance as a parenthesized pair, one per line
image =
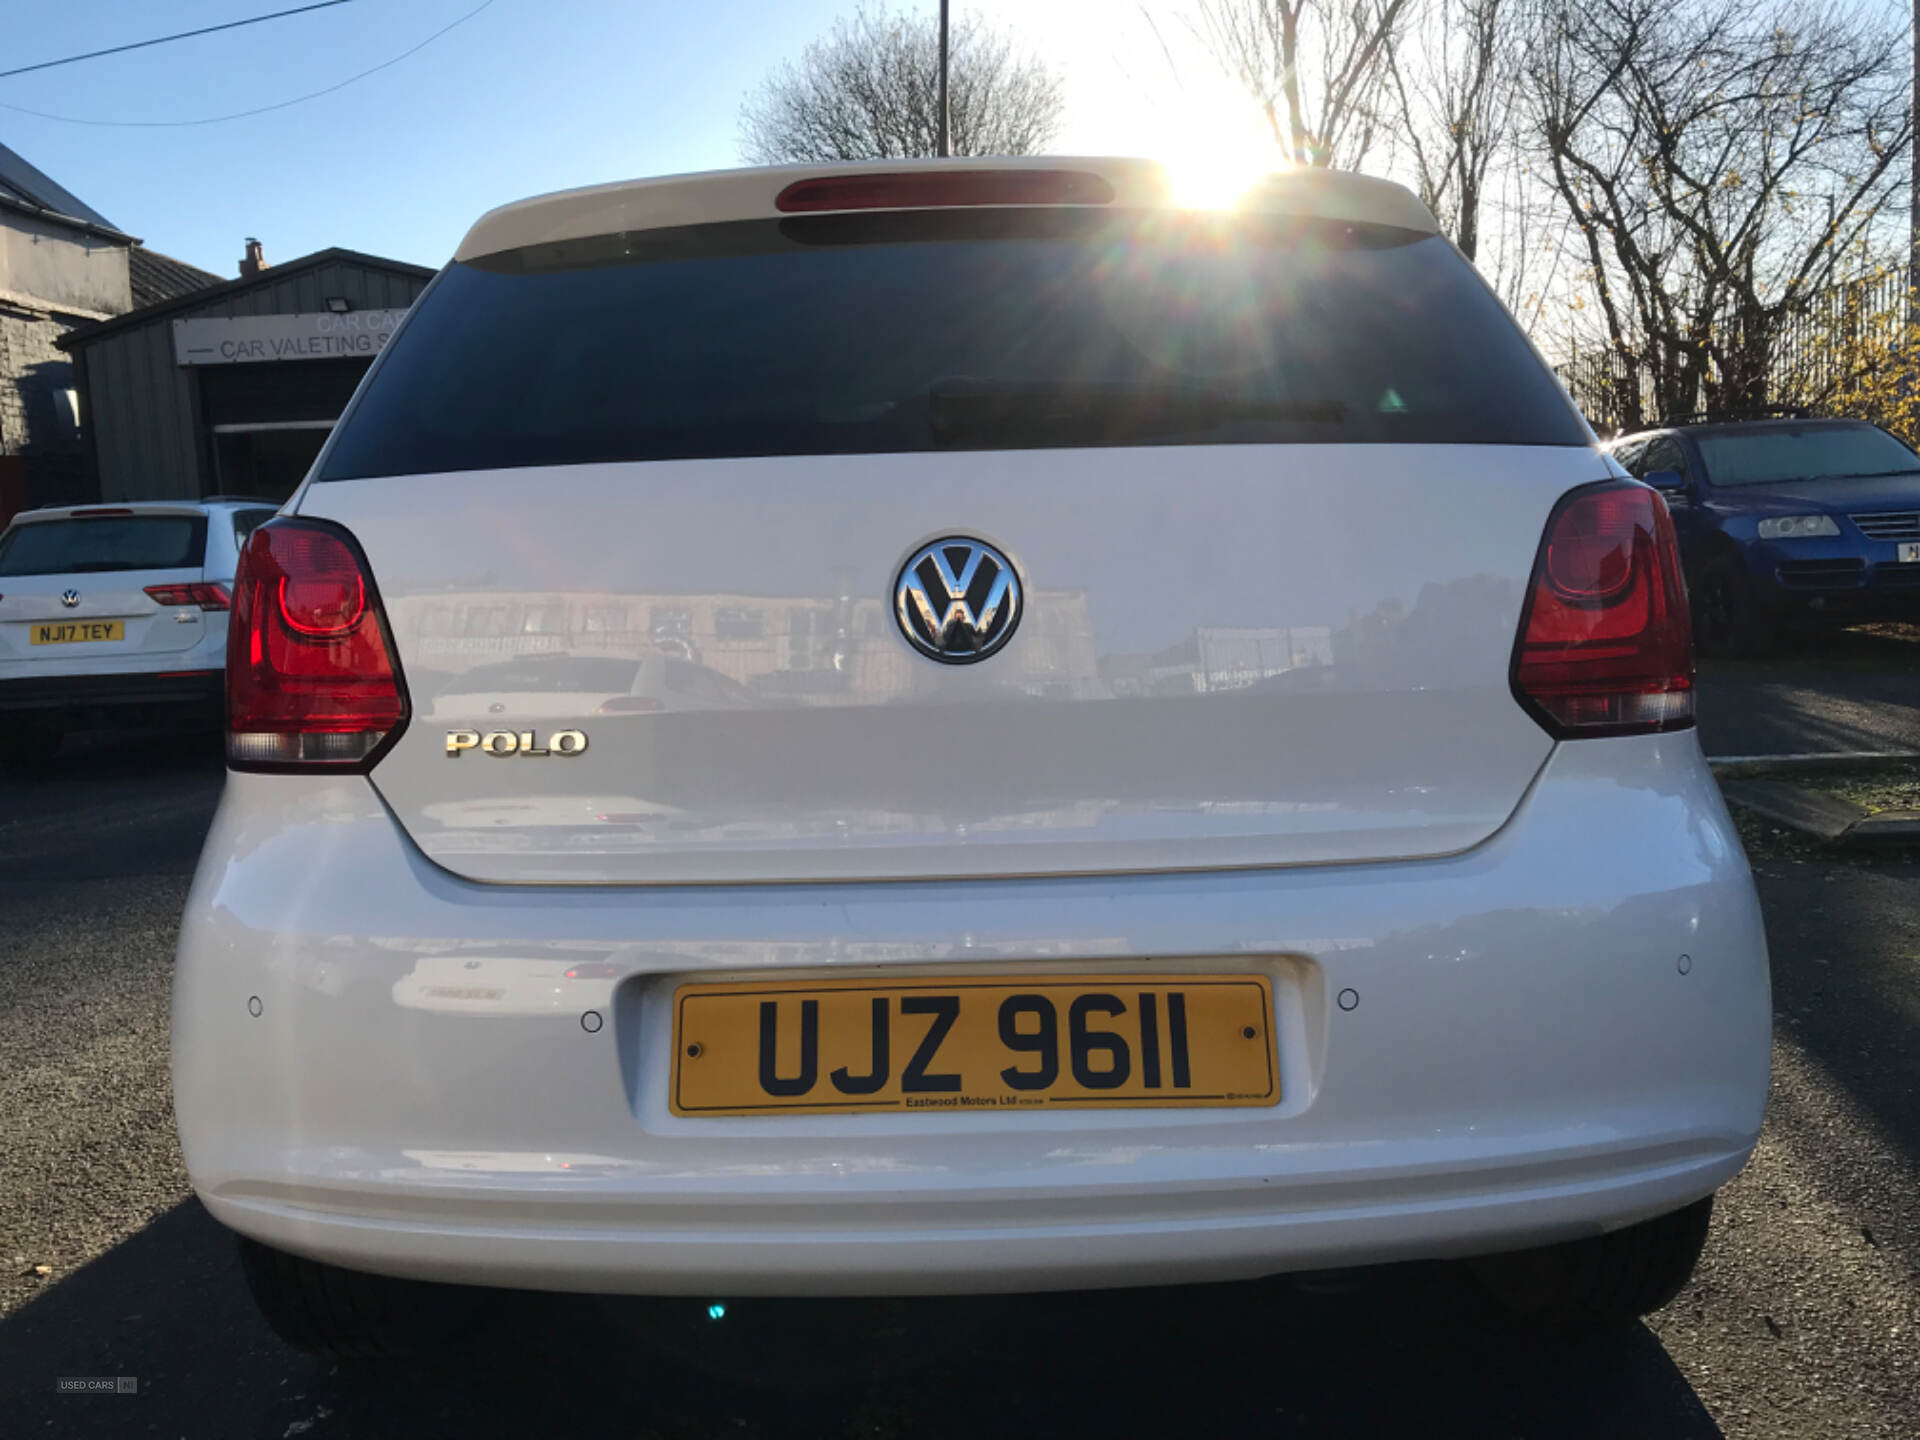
(1855, 351)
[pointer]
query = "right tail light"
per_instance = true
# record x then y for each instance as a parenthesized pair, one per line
(312, 682)
(1605, 645)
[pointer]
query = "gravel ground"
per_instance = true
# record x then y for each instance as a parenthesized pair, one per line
(94, 865)
(87, 1150)
(1800, 1322)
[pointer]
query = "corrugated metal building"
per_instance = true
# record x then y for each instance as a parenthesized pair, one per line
(232, 390)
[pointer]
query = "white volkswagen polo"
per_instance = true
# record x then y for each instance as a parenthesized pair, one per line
(1183, 770)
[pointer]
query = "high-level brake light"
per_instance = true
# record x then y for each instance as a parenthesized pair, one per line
(311, 678)
(940, 189)
(1605, 646)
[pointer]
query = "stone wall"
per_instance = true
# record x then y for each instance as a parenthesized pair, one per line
(36, 422)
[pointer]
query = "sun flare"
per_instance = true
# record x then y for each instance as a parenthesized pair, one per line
(1214, 166)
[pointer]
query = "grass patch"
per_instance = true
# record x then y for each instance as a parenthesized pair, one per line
(1889, 630)
(1880, 790)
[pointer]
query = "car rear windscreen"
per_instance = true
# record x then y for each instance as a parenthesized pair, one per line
(884, 333)
(107, 542)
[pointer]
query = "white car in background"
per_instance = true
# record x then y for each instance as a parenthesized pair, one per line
(1006, 941)
(116, 615)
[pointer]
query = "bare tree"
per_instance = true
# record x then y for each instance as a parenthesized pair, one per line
(870, 91)
(1723, 160)
(1318, 68)
(1454, 98)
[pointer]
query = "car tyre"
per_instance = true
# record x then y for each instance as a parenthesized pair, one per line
(1605, 1281)
(340, 1314)
(31, 743)
(1728, 618)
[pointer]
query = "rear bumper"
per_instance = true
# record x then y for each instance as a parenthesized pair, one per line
(78, 699)
(1022, 1240)
(1526, 1062)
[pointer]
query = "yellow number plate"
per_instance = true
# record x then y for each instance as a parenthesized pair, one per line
(1028, 1042)
(78, 632)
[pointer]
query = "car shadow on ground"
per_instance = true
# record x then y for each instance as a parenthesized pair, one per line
(124, 755)
(1393, 1352)
(1853, 689)
(1843, 981)
(98, 808)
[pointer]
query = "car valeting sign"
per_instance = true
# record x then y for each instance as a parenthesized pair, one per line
(251, 339)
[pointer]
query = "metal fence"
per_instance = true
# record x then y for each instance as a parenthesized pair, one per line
(1599, 381)
(1814, 355)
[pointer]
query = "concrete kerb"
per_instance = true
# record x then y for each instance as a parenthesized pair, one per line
(1765, 785)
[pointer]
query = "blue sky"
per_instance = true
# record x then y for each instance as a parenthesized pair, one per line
(528, 96)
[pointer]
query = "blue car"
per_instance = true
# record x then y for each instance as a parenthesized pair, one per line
(1785, 519)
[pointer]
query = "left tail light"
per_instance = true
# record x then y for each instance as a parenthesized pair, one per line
(312, 678)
